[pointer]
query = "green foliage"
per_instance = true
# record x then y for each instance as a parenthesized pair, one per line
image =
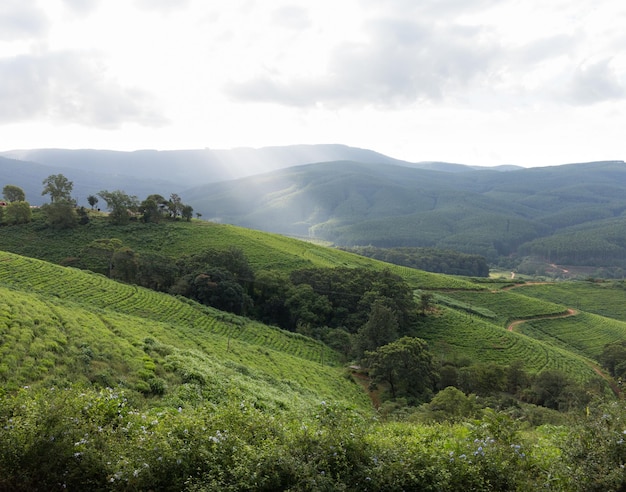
(58, 187)
(406, 365)
(60, 214)
(428, 259)
(17, 213)
(120, 205)
(12, 193)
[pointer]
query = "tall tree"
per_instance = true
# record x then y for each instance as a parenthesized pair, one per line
(12, 193)
(120, 205)
(58, 187)
(406, 365)
(381, 328)
(175, 205)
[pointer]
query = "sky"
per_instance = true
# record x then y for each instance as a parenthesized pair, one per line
(480, 82)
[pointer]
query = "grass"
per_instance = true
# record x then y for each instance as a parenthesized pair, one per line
(453, 335)
(504, 306)
(602, 298)
(265, 251)
(585, 333)
(61, 325)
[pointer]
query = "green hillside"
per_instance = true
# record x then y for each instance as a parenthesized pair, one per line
(62, 326)
(555, 213)
(265, 251)
(109, 386)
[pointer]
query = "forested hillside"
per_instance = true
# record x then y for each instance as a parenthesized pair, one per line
(109, 384)
(571, 214)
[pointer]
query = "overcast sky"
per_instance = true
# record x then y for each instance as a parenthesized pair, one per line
(484, 82)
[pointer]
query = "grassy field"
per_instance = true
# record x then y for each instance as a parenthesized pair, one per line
(61, 326)
(455, 335)
(602, 298)
(264, 251)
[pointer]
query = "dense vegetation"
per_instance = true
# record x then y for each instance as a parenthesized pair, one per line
(167, 379)
(570, 214)
(429, 259)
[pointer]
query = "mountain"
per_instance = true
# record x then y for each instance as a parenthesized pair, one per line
(489, 212)
(30, 175)
(186, 168)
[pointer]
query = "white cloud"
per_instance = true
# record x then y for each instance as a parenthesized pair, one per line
(69, 87)
(399, 75)
(595, 82)
(19, 19)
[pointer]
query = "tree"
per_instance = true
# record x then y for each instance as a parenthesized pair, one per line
(60, 214)
(58, 187)
(306, 307)
(125, 265)
(92, 200)
(406, 365)
(18, 213)
(175, 205)
(187, 212)
(218, 288)
(12, 193)
(97, 256)
(120, 205)
(451, 404)
(381, 328)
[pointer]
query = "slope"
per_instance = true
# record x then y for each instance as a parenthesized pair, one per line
(488, 212)
(60, 326)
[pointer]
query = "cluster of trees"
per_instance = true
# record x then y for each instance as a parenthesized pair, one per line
(366, 315)
(17, 209)
(428, 259)
(613, 358)
(63, 212)
(551, 388)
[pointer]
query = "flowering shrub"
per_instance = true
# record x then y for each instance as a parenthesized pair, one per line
(97, 440)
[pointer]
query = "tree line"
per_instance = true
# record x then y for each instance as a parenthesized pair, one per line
(428, 259)
(64, 213)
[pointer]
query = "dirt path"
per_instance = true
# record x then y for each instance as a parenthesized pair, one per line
(364, 382)
(570, 312)
(517, 322)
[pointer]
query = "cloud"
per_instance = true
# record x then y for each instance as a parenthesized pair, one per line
(69, 87)
(82, 7)
(594, 83)
(162, 5)
(291, 17)
(19, 20)
(401, 62)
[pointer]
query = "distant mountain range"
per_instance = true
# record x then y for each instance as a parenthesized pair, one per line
(566, 214)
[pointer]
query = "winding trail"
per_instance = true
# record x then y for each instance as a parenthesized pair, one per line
(514, 324)
(570, 312)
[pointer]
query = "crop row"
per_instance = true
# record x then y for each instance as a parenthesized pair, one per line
(508, 305)
(585, 333)
(97, 291)
(455, 335)
(605, 298)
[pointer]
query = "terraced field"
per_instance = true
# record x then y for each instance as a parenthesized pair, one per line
(503, 306)
(584, 333)
(56, 339)
(602, 298)
(454, 335)
(97, 291)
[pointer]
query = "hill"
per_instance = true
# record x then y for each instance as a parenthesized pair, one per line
(109, 386)
(464, 304)
(183, 168)
(549, 212)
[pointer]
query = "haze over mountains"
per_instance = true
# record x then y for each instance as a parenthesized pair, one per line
(355, 196)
